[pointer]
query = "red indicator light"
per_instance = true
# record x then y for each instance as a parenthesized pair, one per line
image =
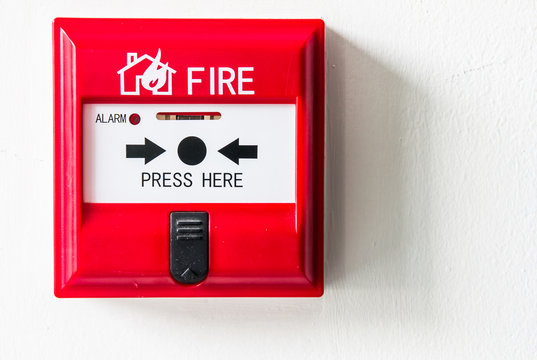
(134, 119)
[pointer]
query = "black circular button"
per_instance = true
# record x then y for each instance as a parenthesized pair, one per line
(192, 150)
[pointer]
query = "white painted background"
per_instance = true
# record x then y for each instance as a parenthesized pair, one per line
(432, 194)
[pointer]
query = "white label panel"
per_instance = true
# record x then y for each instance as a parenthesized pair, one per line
(115, 153)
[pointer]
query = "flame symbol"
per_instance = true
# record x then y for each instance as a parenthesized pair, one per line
(153, 77)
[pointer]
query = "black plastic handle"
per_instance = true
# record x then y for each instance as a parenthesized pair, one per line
(189, 246)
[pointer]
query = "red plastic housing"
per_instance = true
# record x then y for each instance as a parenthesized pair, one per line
(122, 250)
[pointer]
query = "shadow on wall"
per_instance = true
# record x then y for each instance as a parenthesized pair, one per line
(377, 174)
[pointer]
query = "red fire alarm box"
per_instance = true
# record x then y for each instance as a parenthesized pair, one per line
(189, 157)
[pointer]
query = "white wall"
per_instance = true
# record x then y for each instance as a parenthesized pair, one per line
(432, 194)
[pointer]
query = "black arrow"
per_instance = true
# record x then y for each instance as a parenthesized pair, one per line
(233, 151)
(148, 151)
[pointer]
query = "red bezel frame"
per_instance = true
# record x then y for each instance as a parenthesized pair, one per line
(283, 254)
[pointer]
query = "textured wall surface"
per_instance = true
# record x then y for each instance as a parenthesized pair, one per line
(431, 220)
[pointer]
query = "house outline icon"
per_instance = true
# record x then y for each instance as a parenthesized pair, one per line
(132, 60)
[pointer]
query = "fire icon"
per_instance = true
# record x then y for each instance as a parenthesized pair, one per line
(150, 72)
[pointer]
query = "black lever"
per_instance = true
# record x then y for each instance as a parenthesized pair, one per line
(189, 246)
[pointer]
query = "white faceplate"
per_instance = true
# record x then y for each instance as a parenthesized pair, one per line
(110, 177)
